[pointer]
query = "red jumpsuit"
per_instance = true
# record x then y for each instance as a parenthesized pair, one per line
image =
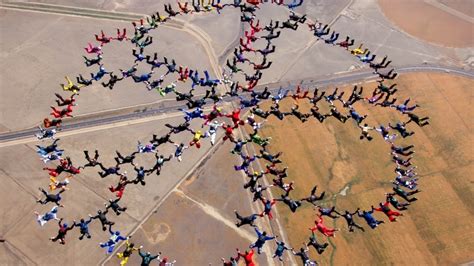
(248, 258)
(235, 116)
(390, 213)
(322, 228)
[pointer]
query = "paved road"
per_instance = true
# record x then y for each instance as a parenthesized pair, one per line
(341, 78)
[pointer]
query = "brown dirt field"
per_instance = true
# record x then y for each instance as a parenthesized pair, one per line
(436, 229)
(429, 23)
(464, 6)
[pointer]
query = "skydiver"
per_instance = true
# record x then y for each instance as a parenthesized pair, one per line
(271, 27)
(385, 133)
(280, 249)
(295, 4)
(389, 90)
(129, 72)
(404, 194)
(56, 155)
(377, 66)
(101, 215)
(171, 67)
(297, 18)
(181, 96)
(164, 139)
(316, 245)
(316, 98)
(333, 38)
(83, 228)
(319, 225)
(403, 108)
(386, 101)
(389, 75)
(147, 258)
(143, 77)
(366, 58)
(355, 96)
(400, 127)
(400, 161)
(315, 112)
(179, 128)
(47, 123)
(91, 162)
(239, 144)
(63, 112)
(56, 184)
(121, 36)
(212, 131)
(233, 67)
(303, 251)
(354, 115)
(390, 197)
(371, 221)
(272, 169)
(184, 7)
(346, 43)
(349, 217)
(65, 101)
(247, 160)
(259, 112)
(258, 191)
(190, 115)
(51, 215)
(54, 198)
(261, 239)
(392, 215)
(62, 232)
(263, 95)
(246, 17)
(321, 30)
(272, 158)
(113, 79)
(71, 86)
(295, 112)
(272, 36)
(115, 206)
(120, 159)
(415, 118)
(267, 50)
(90, 49)
(313, 198)
(114, 239)
(267, 208)
(247, 256)
(53, 147)
(93, 61)
(375, 97)
(238, 53)
(179, 151)
(102, 39)
(327, 212)
(155, 63)
(125, 255)
(97, 76)
(275, 110)
(139, 56)
(291, 203)
(365, 132)
(336, 114)
(243, 220)
(160, 161)
(212, 94)
(113, 170)
(120, 187)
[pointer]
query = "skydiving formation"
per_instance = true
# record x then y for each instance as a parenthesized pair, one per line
(239, 125)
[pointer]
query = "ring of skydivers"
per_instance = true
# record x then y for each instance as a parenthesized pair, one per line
(61, 168)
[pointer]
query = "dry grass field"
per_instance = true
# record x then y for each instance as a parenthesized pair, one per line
(434, 25)
(437, 229)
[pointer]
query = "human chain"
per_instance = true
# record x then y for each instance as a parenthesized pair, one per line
(405, 183)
